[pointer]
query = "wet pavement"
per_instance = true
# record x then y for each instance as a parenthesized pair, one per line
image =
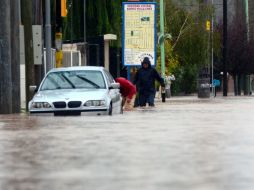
(185, 143)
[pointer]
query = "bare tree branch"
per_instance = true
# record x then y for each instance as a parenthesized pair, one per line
(180, 32)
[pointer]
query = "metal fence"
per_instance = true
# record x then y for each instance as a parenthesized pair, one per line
(71, 58)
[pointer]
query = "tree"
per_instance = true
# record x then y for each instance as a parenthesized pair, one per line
(240, 61)
(190, 42)
(103, 16)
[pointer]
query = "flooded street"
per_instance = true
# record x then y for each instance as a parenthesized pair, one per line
(183, 144)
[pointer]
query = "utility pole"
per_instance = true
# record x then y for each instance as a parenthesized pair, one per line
(163, 94)
(212, 50)
(248, 78)
(5, 59)
(85, 59)
(38, 20)
(60, 5)
(26, 18)
(48, 35)
(15, 55)
(162, 35)
(225, 78)
(247, 19)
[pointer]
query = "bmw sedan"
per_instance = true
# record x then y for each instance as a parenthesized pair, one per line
(74, 90)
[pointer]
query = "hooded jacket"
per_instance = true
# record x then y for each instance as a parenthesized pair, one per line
(145, 78)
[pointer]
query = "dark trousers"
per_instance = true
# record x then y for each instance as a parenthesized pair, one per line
(146, 97)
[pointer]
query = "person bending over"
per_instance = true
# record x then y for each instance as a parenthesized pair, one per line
(128, 92)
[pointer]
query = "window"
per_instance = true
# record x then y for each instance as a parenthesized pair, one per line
(109, 77)
(74, 79)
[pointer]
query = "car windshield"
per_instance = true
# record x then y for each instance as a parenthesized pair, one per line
(73, 80)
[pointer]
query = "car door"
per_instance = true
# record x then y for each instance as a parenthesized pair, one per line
(113, 93)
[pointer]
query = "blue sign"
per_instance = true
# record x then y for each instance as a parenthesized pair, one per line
(216, 82)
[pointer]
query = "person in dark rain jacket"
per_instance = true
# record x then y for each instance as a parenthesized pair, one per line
(145, 83)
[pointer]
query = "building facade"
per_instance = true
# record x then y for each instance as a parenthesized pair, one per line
(251, 19)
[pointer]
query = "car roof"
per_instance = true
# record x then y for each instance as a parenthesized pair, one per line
(75, 68)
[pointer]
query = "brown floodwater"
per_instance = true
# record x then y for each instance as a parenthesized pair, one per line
(183, 144)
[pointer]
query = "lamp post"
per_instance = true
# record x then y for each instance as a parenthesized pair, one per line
(225, 78)
(48, 36)
(162, 35)
(248, 40)
(163, 93)
(247, 19)
(212, 50)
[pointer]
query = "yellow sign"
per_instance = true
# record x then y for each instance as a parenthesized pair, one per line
(59, 58)
(59, 52)
(58, 41)
(59, 35)
(63, 8)
(208, 25)
(139, 33)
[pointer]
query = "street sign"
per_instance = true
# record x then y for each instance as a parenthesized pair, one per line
(216, 82)
(208, 25)
(63, 8)
(139, 32)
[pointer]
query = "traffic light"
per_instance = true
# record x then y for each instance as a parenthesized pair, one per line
(63, 8)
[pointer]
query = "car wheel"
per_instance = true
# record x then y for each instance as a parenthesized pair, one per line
(110, 109)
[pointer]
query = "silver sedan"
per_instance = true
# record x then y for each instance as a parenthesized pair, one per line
(74, 90)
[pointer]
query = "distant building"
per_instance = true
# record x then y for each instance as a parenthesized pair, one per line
(241, 15)
(240, 11)
(251, 19)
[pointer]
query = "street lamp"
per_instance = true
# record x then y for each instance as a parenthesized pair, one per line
(248, 40)
(225, 80)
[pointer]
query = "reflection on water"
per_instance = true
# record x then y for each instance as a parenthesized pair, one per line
(199, 146)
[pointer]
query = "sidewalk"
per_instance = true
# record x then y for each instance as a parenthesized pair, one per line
(182, 99)
(194, 98)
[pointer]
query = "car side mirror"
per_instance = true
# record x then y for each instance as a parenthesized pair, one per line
(115, 85)
(33, 88)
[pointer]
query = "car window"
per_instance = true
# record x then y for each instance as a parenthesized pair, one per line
(109, 77)
(73, 79)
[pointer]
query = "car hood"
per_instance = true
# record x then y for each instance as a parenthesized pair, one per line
(71, 94)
